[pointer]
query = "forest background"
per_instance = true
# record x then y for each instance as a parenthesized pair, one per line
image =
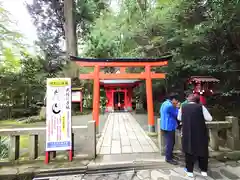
(203, 36)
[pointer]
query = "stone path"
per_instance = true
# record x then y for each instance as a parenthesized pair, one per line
(123, 134)
(218, 171)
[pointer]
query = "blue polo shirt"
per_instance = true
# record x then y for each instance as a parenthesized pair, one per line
(168, 116)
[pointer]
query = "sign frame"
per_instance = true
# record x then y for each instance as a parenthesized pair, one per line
(58, 117)
(80, 90)
(80, 94)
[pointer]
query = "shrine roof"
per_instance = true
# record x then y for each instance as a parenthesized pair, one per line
(120, 81)
(204, 79)
(77, 89)
(159, 59)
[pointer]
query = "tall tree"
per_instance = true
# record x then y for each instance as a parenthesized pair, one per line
(48, 17)
(70, 27)
(70, 36)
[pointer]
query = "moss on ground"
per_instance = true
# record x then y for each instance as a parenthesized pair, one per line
(24, 141)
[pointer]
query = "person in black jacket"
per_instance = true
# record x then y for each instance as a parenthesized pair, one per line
(194, 134)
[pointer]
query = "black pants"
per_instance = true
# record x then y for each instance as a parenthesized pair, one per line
(169, 137)
(190, 160)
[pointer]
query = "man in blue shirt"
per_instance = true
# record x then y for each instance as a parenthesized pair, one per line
(168, 124)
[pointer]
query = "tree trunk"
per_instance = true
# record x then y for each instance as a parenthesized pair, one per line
(70, 27)
(143, 5)
(70, 35)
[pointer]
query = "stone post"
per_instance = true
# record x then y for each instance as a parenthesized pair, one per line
(178, 140)
(214, 139)
(161, 143)
(233, 133)
(14, 148)
(33, 146)
(92, 139)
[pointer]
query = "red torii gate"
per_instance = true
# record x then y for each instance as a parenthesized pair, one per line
(148, 63)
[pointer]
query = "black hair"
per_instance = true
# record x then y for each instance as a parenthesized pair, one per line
(172, 96)
(187, 93)
(194, 98)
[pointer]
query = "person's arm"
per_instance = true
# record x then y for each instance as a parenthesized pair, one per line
(172, 111)
(179, 116)
(207, 116)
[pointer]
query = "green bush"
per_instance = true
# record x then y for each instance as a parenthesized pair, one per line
(4, 147)
(18, 112)
(5, 113)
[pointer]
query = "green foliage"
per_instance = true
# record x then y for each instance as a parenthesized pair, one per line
(20, 91)
(4, 147)
(48, 18)
(10, 44)
(202, 36)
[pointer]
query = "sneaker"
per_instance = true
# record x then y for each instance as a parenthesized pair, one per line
(172, 162)
(204, 174)
(189, 174)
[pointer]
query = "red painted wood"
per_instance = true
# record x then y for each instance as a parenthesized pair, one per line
(70, 155)
(129, 100)
(128, 92)
(123, 76)
(96, 95)
(147, 75)
(109, 96)
(81, 106)
(122, 69)
(120, 85)
(47, 157)
(149, 96)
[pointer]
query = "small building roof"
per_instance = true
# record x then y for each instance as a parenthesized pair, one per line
(203, 79)
(120, 81)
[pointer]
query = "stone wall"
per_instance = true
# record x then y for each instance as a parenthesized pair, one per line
(83, 138)
(232, 141)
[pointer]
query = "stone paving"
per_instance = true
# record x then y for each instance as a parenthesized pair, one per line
(122, 134)
(218, 171)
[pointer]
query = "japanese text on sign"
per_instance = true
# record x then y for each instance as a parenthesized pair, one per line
(58, 114)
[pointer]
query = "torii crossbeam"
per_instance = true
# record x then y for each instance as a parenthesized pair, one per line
(148, 63)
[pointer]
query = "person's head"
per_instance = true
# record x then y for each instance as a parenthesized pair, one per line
(194, 98)
(173, 97)
(188, 93)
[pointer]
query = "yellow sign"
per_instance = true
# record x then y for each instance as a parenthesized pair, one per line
(63, 124)
(58, 83)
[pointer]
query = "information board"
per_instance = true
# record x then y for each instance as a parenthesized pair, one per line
(58, 114)
(76, 96)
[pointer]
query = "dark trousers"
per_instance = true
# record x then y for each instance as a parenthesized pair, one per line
(190, 160)
(169, 137)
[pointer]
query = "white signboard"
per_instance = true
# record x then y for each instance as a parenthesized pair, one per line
(76, 96)
(58, 114)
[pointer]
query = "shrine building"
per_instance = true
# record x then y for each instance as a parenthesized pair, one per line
(119, 94)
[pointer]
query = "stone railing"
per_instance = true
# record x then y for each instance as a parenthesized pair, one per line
(83, 140)
(230, 127)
